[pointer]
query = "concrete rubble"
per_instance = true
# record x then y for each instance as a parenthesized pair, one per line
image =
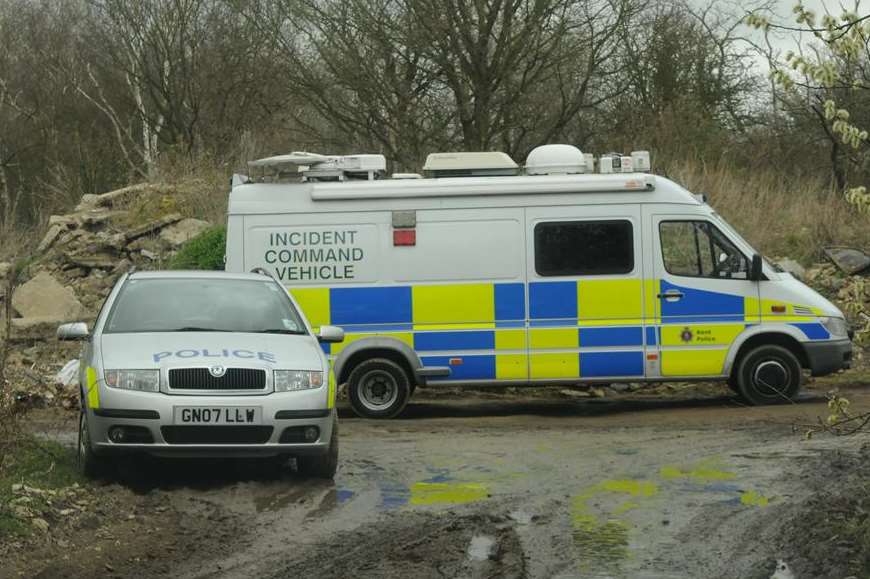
(71, 272)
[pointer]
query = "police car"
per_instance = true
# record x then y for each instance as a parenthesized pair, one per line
(568, 269)
(205, 364)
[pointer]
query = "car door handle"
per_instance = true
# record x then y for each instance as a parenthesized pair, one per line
(671, 295)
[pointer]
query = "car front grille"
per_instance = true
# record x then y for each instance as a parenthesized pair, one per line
(216, 434)
(202, 379)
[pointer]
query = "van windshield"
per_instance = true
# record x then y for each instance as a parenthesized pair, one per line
(739, 238)
(203, 305)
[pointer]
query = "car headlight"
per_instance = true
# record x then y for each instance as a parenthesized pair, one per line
(141, 380)
(291, 380)
(835, 326)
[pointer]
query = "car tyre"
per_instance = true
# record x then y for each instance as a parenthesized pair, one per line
(769, 375)
(378, 388)
(90, 464)
(323, 465)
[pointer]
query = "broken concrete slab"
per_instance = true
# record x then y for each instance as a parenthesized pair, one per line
(43, 297)
(792, 267)
(849, 261)
(152, 226)
(53, 233)
(92, 260)
(179, 233)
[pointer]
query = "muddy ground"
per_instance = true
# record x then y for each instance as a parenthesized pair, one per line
(670, 485)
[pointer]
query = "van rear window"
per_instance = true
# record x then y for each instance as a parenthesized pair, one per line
(584, 248)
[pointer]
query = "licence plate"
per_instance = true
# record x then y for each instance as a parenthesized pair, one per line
(218, 415)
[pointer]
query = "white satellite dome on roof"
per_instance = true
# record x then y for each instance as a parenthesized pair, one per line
(556, 160)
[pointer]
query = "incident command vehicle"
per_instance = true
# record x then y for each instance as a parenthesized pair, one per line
(482, 272)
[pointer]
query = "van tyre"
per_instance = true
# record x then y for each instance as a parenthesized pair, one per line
(769, 375)
(322, 465)
(90, 464)
(378, 388)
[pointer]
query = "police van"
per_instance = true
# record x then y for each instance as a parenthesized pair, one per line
(483, 272)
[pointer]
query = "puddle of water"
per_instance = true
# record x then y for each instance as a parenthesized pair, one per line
(393, 494)
(481, 548)
(602, 542)
(344, 495)
(752, 498)
(442, 475)
(424, 493)
(705, 471)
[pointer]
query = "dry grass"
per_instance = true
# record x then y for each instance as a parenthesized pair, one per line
(781, 217)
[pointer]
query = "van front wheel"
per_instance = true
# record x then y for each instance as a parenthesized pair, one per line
(378, 388)
(769, 375)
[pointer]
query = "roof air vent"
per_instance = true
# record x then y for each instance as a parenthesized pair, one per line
(477, 164)
(558, 160)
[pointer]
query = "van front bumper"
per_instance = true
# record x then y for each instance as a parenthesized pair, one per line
(829, 357)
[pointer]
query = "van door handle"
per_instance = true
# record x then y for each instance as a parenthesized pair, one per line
(671, 295)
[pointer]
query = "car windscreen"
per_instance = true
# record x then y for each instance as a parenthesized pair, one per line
(203, 305)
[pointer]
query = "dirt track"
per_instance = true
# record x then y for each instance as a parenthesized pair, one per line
(502, 487)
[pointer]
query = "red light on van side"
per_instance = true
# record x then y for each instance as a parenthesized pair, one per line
(455, 362)
(777, 309)
(405, 237)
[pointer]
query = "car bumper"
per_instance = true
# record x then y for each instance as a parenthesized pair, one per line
(150, 419)
(829, 357)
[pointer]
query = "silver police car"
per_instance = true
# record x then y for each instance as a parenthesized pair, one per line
(204, 364)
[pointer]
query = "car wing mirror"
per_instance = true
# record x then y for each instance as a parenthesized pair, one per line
(755, 271)
(73, 331)
(330, 334)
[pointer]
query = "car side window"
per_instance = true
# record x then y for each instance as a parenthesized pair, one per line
(699, 249)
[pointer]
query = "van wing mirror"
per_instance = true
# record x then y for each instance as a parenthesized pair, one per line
(74, 331)
(755, 271)
(330, 334)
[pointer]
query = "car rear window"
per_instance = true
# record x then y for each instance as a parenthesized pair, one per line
(203, 304)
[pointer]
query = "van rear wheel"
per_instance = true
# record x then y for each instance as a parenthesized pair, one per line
(378, 388)
(769, 375)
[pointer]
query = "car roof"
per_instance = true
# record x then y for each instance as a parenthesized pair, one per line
(198, 274)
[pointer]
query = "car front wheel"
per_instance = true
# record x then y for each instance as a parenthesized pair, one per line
(323, 465)
(89, 463)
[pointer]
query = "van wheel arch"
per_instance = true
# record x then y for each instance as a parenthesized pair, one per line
(360, 356)
(770, 339)
(765, 339)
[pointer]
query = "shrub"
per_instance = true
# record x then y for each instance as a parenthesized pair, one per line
(205, 251)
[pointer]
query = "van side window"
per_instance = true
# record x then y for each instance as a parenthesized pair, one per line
(699, 249)
(584, 248)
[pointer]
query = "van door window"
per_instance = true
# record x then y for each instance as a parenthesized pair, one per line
(699, 249)
(584, 248)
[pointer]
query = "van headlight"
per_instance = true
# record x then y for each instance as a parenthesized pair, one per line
(141, 380)
(291, 380)
(835, 326)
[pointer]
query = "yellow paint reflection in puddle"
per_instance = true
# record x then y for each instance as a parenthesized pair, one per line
(703, 472)
(423, 493)
(602, 542)
(752, 498)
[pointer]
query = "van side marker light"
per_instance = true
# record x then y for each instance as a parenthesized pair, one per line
(404, 237)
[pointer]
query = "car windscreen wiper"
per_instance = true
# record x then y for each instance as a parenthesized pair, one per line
(282, 331)
(198, 329)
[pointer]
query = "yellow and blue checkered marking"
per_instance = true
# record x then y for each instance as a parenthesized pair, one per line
(586, 328)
